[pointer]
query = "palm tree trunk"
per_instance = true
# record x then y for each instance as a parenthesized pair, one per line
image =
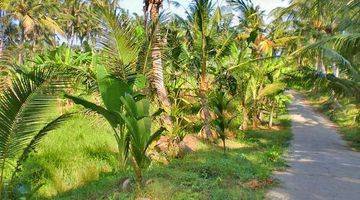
(261, 116)
(255, 115)
(323, 67)
(333, 98)
(320, 67)
(299, 61)
(254, 121)
(157, 65)
(271, 117)
(335, 69)
(2, 35)
(138, 174)
(2, 178)
(206, 133)
(1, 45)
(317, 63)
(224, 145)
(245, 121)
(205, 112)
(21, 46)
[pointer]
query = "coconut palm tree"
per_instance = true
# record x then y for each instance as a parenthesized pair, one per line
(201, 28)
(77, 20)
(157, 79)
(36, 24)
(332, 35)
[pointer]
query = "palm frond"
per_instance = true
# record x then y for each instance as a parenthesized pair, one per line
(25, 107)
(120, 45)
(111, 117)
(270, 89)
(52, 25)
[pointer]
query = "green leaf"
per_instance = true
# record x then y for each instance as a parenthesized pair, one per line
(26, 106)
(110, 116)
(142, 108)
(140, 82)
(153, 137)
(129, 104)
(111, 89)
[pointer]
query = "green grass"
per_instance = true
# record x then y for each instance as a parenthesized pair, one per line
(345, 117)
(77, 153)
(78, 161)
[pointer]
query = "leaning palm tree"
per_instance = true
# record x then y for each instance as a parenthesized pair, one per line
(25, 118)
(157, 79)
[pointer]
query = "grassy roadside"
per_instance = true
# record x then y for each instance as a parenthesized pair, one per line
(345, 116)
(78, 161)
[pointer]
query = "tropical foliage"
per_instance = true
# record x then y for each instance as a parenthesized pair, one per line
(216, 74)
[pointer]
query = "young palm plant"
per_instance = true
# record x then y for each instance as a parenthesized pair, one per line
(121, 76)
(129, 118)
(220, 103)
(203, 45)
(137, 119)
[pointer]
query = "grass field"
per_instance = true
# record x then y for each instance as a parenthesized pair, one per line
(78, 161)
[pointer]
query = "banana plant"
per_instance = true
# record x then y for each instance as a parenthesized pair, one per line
(137, 120)
(72, 63)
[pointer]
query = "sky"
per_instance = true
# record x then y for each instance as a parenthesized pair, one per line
(136, 5)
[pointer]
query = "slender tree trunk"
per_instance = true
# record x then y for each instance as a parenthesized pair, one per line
(323, 67)
(271, 117)
(299, 61)
(254, 121)
(138, 174)
(206, 132)
(1, 45)
(22, 48)
(224, 145)
(320, 67)
(335, 69)
(255, 116)
(2, 178)
(205, 112)
(157, 65)
(317, 63)
(245, 121)
(2, 35)
(261, 116)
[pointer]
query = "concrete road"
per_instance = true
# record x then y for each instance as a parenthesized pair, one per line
(321, 166)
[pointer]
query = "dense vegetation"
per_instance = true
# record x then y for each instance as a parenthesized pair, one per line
(99, 103)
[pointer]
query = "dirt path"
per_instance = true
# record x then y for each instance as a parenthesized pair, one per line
(321, 166)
